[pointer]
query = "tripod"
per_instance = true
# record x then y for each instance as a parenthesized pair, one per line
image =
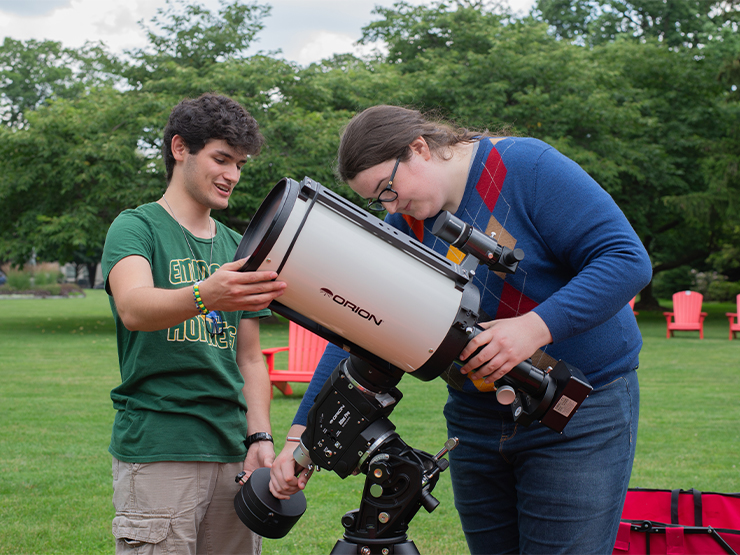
(399, 481)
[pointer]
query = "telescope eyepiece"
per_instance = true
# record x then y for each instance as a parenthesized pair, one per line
(451, 229)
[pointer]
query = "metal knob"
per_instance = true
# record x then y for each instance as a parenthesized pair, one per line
(505, 395)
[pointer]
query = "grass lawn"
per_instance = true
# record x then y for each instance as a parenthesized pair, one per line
(689, 432)
(58, 364)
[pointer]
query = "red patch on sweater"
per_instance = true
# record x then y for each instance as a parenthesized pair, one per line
(513, 303)
(492, 179)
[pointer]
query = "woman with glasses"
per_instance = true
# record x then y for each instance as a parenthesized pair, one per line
(517, 489)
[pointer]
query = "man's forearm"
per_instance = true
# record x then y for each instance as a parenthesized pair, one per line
(257, 396)
(152, 309)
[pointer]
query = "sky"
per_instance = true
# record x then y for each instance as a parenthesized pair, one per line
(305, 30)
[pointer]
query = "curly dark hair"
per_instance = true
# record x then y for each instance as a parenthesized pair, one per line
(209, 117)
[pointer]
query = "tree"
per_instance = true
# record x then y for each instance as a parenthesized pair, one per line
(187, 35)
(411, 31)
(34, 72)
(86, 158)
(703, 35)
(675, 23)
(346, 83)
(69, 172)
(653, 125)
(656, 125)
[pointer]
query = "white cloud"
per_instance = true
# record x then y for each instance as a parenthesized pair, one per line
(113, 22)
(324, 44)
(305, 31)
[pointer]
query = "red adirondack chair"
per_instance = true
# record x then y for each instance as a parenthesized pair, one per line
(734, 326)
(687, 314)
(304, 351)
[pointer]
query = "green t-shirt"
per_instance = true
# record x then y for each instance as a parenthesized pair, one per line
(180, 396)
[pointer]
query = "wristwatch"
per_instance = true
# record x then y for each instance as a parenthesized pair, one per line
(259, 436)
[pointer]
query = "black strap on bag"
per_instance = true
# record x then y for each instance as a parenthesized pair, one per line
(697, 506)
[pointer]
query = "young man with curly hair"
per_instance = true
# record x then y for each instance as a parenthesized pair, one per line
(193, 403)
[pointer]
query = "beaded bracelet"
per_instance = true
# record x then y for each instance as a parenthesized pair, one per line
(198, 301)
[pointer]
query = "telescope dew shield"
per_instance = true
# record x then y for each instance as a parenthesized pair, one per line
(266, 226)
(359, 278)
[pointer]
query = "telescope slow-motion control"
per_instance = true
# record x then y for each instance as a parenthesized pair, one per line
(396, 307)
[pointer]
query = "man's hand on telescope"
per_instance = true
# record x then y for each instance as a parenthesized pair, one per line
(504, 344)
(229, 289)
(260, 454)
(283, 479)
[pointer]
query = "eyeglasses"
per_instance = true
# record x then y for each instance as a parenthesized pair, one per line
(215, 323)
(387, 194)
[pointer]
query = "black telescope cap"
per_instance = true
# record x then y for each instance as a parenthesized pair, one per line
(262, 512)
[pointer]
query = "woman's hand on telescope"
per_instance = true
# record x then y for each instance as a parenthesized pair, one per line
(283, 479)
(504, 344)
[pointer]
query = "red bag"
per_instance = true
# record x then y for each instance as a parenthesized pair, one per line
(679, 522)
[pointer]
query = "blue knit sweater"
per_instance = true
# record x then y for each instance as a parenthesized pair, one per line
(583, 261)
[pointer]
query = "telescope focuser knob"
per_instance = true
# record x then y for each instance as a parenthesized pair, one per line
(348, 520)
(505, 394)
(428, 501)
(513, 256)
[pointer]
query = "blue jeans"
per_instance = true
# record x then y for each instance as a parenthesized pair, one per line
(532, 490)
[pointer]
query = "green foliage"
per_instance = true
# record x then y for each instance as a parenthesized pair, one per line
(677, 23)
(88, 157)
(671, 281)
(411, 32)
(69, 173)
(722, 290)
(186, 34)
(714, 286)
(727, 259)
(47, 278)
(40, 285)
(345, 83)
(18, 281)
(654, 121)
(35, 72)
(298, 144)
(653, 125)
